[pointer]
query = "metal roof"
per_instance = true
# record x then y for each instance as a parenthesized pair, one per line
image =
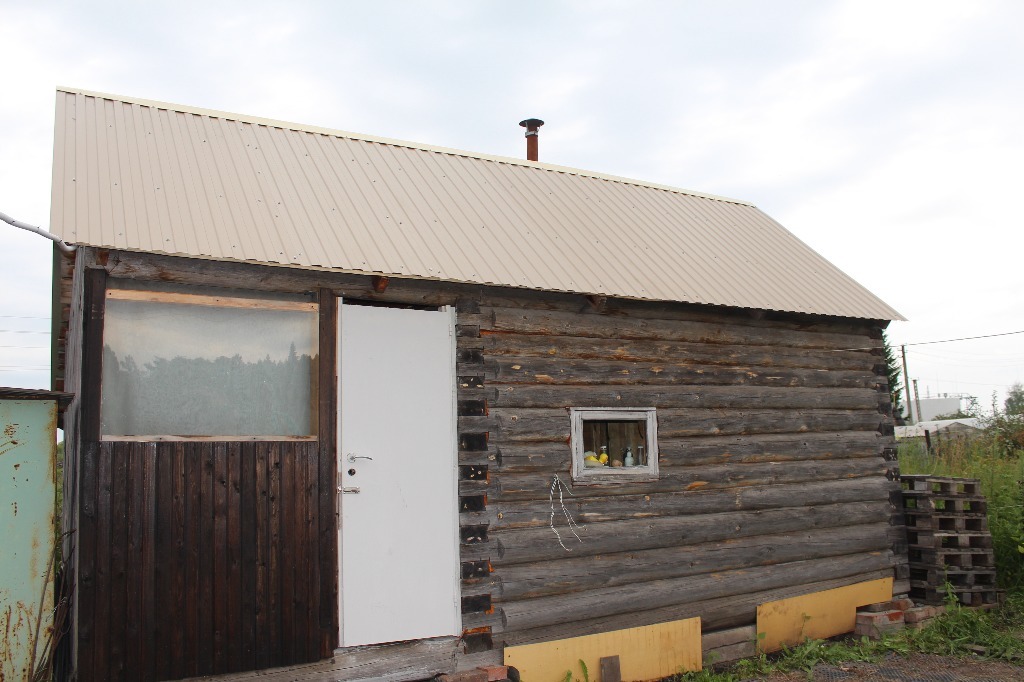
(149, 176)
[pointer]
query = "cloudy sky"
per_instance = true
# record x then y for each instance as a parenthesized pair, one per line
(887, 135)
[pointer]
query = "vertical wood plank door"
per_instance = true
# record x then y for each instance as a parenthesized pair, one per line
(398, 535)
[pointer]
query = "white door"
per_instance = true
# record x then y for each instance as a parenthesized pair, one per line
(398, 534)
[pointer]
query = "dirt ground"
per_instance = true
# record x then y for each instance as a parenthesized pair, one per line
(912, 668)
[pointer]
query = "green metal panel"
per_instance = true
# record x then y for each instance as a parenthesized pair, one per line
(27, 514)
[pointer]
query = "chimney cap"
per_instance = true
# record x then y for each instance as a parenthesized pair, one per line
(531, 123)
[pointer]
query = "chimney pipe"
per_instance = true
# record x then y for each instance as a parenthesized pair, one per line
(531, 125)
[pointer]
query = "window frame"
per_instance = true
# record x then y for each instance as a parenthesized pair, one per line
(256, 300)
(598, 475)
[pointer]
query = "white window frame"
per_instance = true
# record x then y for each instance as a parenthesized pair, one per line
(607, 474)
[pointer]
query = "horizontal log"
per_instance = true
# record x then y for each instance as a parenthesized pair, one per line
(642, 350)
(667, 310)
(518, 369)
(536, 485)
(133, 265)
(562, 323)
(590, 510)
(680, 396)
(540, 544)
(612, 601)
(722, 638)
(715, 614)
(470, 296)
(581, 574)
(702, 450)
(552, 424)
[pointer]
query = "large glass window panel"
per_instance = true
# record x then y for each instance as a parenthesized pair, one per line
(185, 365)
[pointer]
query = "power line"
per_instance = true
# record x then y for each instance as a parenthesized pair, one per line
(24, 317)
(925, 343)
(965, 338)
(20, 331)
(959, 381)
(24, 346)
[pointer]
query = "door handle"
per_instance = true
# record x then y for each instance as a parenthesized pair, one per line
(352, 457)
(348, 491)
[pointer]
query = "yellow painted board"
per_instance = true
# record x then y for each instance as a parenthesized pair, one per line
(818, 615)
(650, 652)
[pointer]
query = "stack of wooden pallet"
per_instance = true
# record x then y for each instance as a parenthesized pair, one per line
(949, 541)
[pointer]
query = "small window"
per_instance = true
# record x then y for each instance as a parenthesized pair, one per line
(225, 366)
(610, 444)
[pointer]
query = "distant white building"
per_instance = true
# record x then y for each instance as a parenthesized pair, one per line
(933, 407)
(943, 427)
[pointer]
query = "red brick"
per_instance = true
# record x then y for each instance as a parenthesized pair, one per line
(873, 625)
(919, 614)
(495, 672)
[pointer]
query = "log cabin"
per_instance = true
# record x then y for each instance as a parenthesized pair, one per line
(349, 407)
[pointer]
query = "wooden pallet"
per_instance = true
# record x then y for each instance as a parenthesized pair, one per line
(968, 596)
(958, 578)
(941, 485)
(949, 544)
(915, 500)
(951, 558)
(934, 539)
(946, 522)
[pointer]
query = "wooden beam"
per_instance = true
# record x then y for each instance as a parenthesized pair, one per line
(597, 302)
(205, 300)
(327, 409)
(92, 353)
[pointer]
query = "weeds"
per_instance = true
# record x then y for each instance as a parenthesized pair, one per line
(1001, 473)
(583, 669)
(963, 631)
(801, 658)
(959, 632)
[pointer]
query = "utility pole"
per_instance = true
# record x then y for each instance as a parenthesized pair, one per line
(906, 388)
(917, 400)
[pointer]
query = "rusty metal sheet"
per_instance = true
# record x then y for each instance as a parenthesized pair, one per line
(27, 515)
(156, 177)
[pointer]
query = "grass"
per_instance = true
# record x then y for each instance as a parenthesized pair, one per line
(1002, 482)
(997, 460)
(960, 632)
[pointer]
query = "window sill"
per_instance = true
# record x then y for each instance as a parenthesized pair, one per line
(598, 476)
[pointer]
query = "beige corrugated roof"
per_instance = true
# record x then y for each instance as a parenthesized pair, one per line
(149, 176)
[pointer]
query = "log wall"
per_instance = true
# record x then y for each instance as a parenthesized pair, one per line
(775, 478)
(776, 474)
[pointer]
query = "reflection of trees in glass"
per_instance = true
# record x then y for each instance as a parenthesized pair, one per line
(203, 397)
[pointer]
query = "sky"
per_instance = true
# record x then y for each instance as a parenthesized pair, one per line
(889, 136)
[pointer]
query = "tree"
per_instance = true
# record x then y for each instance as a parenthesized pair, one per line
(892, 371)
(1014, 403)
